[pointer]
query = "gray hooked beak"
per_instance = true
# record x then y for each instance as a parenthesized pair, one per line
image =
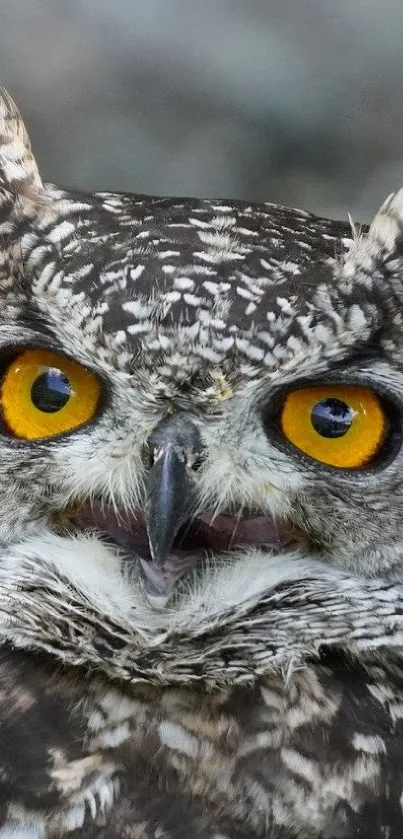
(174, 448)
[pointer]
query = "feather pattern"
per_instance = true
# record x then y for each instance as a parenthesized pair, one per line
(266, 700)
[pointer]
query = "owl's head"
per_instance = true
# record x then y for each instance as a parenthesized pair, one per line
(195, 390)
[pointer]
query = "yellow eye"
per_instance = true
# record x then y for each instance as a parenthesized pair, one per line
(43, 394)
(341, 426)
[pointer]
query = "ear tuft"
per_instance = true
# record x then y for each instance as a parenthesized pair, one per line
(19, 174)
(380, 246)
(387, 226)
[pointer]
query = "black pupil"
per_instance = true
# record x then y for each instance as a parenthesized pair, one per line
(331, 417)
(50, 391)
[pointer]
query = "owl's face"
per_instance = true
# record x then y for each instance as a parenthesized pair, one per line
(186, 384)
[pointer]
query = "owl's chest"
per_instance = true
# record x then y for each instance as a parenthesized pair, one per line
(315, 752)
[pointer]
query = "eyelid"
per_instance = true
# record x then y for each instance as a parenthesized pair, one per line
(22, 417)
(271, 417)
(361, 439)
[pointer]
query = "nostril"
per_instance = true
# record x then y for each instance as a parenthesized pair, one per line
(148, 456)
(197, 462)
(179, 434)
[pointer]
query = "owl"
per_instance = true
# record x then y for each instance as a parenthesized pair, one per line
(201, 517)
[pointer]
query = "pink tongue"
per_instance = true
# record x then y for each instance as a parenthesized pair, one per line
(257, 530)
(207, 533)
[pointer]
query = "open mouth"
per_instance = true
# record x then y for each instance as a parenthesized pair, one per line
(197, 539)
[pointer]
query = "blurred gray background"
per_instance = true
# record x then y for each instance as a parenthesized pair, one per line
(296, 101)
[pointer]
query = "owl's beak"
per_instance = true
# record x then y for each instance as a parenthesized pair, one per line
(171, 499)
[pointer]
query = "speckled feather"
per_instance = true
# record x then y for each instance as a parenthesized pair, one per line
(267, 700)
